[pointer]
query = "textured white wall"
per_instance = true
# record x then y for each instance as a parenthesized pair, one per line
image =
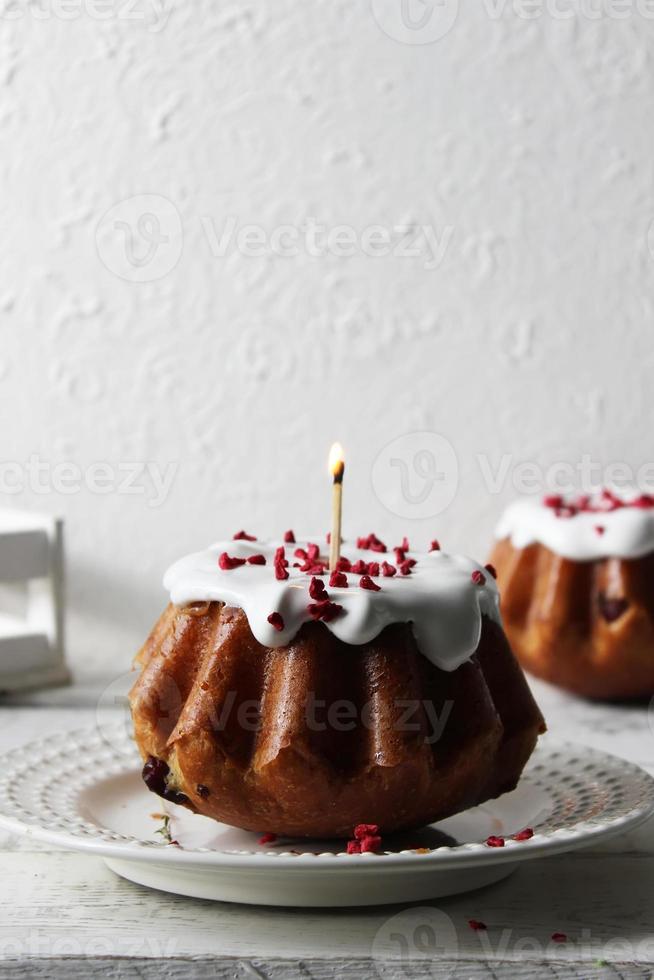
(524, 144)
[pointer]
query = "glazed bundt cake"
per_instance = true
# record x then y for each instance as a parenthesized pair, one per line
(276, 697)
(577, 581)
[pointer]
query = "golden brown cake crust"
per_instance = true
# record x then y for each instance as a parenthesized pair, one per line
(250, 726)
(587, 626)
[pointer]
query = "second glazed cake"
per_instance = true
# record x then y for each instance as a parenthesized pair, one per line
(577, 581)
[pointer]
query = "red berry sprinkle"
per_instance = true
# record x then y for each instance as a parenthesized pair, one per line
(324, 609)
(399, 555)
(300, 553)
(371, 543)
(388, 570)
(366, 830)
(276, 621)
(367, 839)
(494, 841)
(344, 565)
(227, 563)
(313, 567)
(313, 552)
(373, 569)
(406, 566)
(476, 925)
(268, 839)
(257, 560)
(243, 536)
(603, 503)
(289, 537)
(492, 571)
(281, 564)
(338, 580)
(365, 582)
(599, 529)
(434, 545)
(405, 544)
(553, 500)
(317, 589)
(478, 577)
(359, 567)
(609, 501)
(525, 834)
(559, 937)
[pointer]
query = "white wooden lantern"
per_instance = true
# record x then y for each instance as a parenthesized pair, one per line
(32, 646)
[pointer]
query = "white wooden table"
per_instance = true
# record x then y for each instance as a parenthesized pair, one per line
(66, 915)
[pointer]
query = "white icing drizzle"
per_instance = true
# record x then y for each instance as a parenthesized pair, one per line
(438, 598)
(628, 532)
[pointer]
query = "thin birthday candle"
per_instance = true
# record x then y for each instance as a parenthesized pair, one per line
(337, 469)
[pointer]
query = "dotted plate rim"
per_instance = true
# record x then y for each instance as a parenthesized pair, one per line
(594, 795)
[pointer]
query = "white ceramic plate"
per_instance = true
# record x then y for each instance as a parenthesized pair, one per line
(83, 790)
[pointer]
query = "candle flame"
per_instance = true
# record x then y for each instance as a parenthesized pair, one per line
(336, 461)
